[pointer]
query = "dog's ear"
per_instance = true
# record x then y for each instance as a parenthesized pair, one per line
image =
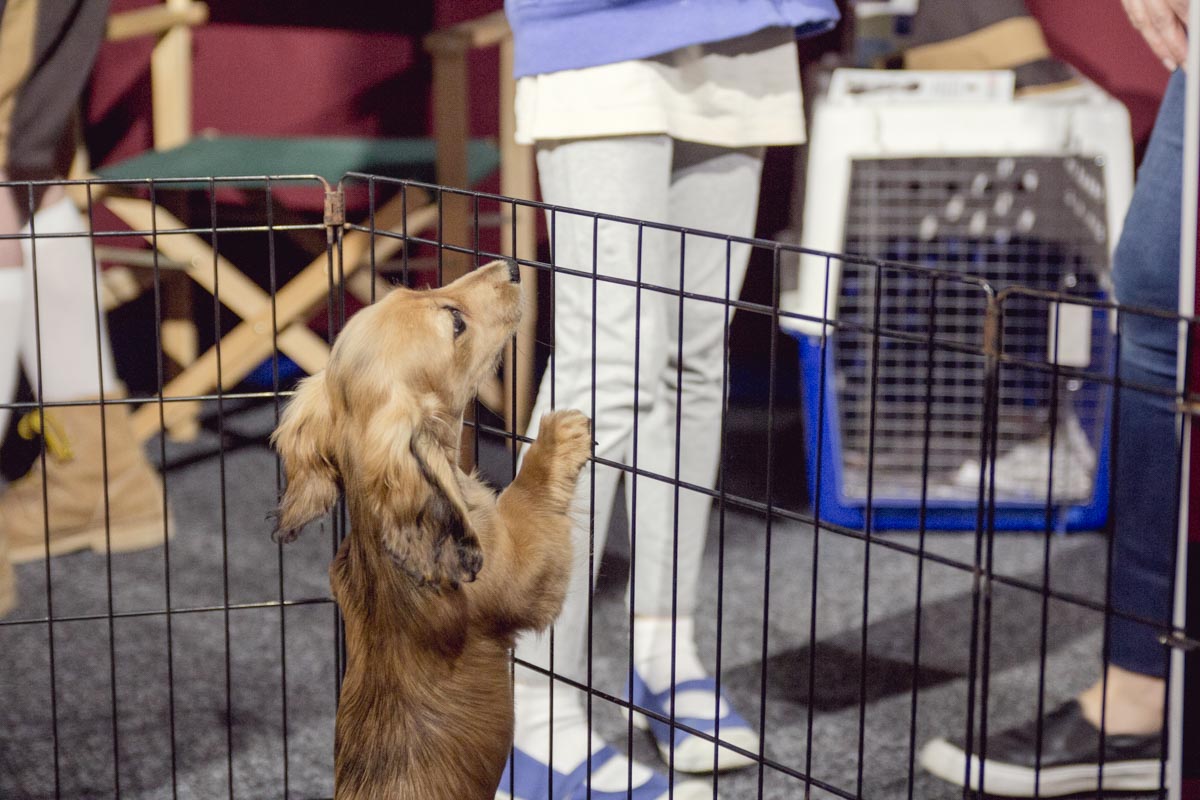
(415, 488)
(304, 440)
(444, 543)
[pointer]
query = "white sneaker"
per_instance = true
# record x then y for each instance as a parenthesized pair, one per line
(1023, 472)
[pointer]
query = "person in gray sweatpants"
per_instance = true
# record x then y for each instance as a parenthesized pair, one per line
(655, 115)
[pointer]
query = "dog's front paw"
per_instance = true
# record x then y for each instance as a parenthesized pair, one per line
(563, 445)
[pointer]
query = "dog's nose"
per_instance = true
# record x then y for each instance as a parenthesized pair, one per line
(514, 272)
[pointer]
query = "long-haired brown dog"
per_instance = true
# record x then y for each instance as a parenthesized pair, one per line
(438, 574)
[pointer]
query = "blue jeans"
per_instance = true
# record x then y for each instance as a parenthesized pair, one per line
(1145, 479)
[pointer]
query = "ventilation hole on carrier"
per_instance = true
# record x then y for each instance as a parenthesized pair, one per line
(1026, 220)
(1004, 204)
(929, 228)
(955, 208)
(978, 223)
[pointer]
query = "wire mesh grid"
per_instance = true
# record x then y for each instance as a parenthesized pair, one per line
(210, 665)
(1027, 221)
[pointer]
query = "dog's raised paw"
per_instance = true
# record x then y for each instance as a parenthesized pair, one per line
(566, 438)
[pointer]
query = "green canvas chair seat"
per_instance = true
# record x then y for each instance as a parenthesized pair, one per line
(329, 157)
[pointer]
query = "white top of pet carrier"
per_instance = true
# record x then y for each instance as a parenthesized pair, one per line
(942, 115)
(701, 93)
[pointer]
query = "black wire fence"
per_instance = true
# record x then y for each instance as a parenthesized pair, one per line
(209, 664)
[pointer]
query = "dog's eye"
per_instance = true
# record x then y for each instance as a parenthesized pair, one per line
(459, 324)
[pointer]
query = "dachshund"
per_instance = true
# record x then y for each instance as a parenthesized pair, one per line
(438, 574)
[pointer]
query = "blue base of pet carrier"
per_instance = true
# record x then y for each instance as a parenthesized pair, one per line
(824, 444)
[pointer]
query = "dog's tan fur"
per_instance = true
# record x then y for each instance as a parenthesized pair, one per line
(438, 574)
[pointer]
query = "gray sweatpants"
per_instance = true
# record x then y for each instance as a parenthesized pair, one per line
(637, 365)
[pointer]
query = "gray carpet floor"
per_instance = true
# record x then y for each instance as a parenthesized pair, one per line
(209, 702)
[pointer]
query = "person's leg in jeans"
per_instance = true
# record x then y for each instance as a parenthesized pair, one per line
(1129, 700)
(1145, 475)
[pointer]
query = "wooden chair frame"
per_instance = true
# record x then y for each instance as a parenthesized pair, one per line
(254, 338)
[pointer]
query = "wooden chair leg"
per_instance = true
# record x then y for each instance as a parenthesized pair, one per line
(450, 118)
(181, 345)
(519, 229)
(361, 285)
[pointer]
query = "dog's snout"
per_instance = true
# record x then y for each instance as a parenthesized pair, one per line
(514, 272)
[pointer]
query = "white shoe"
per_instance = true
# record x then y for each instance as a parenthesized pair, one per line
(1023, 471)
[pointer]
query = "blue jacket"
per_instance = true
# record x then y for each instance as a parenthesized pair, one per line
(552, 35)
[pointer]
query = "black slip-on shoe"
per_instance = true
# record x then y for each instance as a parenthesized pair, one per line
(1070, 759)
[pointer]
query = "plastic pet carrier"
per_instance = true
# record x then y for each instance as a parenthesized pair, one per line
(945, 190)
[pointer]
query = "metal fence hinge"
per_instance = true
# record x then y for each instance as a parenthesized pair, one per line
(991, 330)
(1177, 641)
(335, 208)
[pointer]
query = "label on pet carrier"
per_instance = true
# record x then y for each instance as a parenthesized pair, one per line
(1069, 343)
(891, 86)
